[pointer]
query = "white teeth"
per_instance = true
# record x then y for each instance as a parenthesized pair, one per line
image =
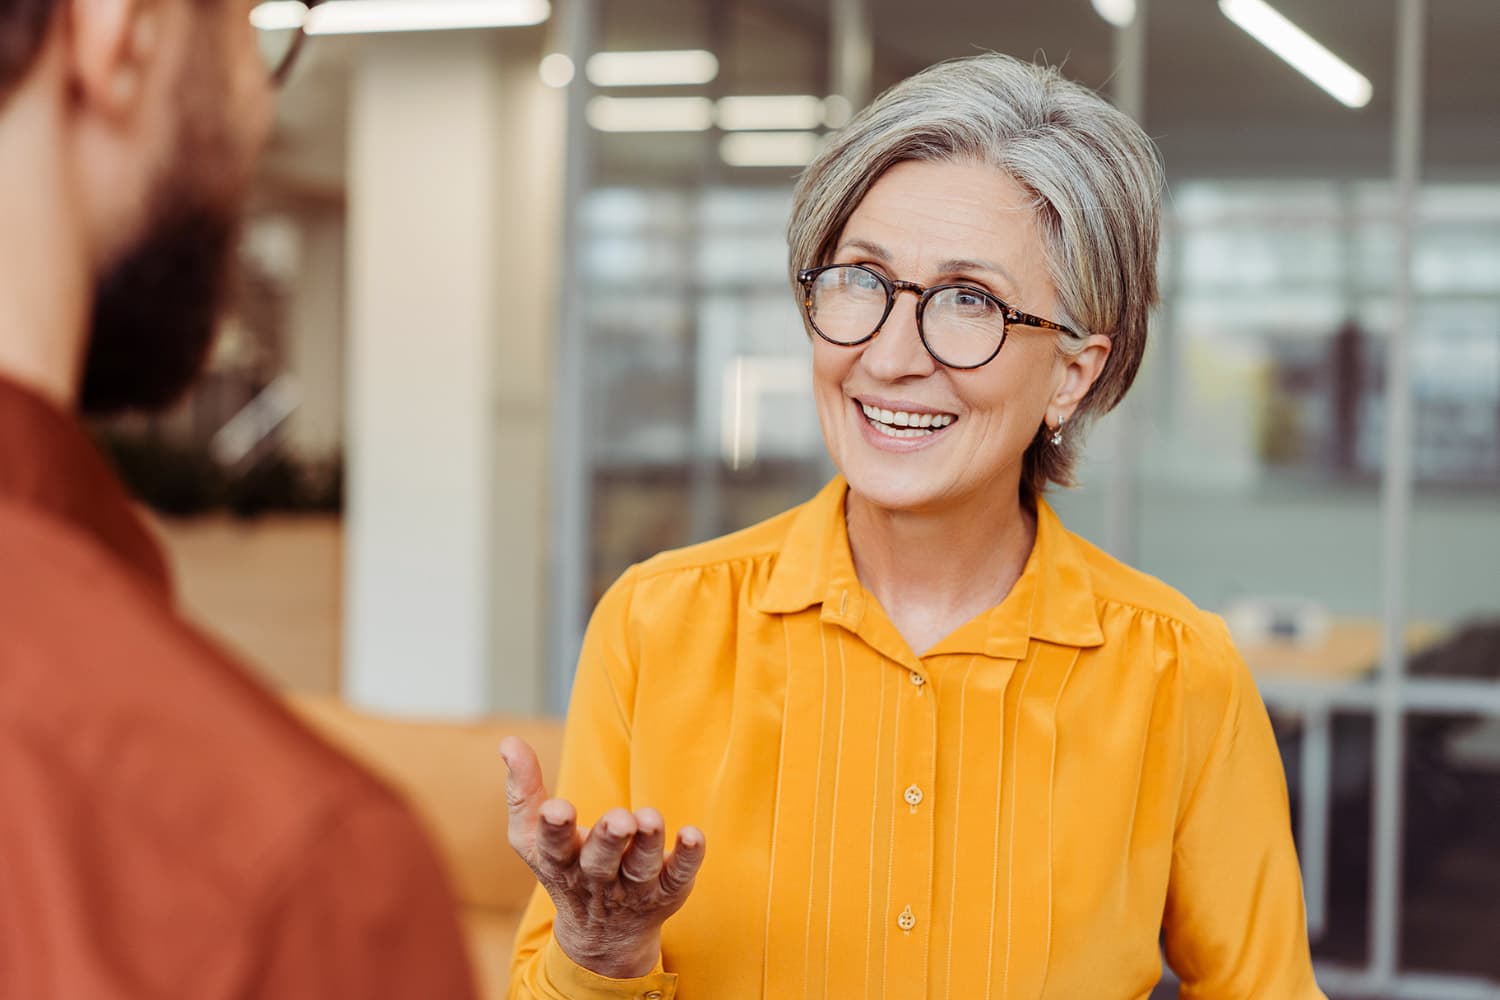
(918, 423)
(902, 432)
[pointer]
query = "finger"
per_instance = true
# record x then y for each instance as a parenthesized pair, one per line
(524, 792)
(601, 854)
(643, 860)
(557, 838)
(682, 866)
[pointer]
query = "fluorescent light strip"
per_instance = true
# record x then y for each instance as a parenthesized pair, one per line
(279, 15)
(650, 114)
(769, 149)
(1120, 13)
(1300, 50)
(782, 112)
(358, 17)
(687, 67)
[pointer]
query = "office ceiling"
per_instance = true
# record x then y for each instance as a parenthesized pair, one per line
(1217, 102)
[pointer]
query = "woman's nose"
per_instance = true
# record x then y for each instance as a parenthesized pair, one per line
(896, 352)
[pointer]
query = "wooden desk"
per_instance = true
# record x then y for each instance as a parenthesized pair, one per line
(1348, 651)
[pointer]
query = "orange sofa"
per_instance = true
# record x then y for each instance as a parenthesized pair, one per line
(452, 775)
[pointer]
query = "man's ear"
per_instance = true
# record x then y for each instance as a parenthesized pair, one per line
(112, 44)
(1079, 373)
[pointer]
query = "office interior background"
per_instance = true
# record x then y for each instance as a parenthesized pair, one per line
(515, 314)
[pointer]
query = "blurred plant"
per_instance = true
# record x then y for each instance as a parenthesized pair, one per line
(182, 480)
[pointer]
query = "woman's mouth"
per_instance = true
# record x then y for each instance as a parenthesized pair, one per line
(905, 424)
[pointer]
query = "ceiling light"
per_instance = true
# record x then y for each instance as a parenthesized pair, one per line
(279, 15)
(1120, 13)
(556, 70)
(650, 114)
(791, 111)
(769, 149)
(356, 17)
(687, 67)
(837, 111)
(1300, 50)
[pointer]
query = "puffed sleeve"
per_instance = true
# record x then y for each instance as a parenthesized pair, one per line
(1235, 925)
(595, 777)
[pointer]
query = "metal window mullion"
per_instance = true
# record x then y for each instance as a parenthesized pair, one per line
(572, 448)
(1122, 530)
(1396, 495)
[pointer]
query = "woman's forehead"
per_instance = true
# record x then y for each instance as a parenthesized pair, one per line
(945, 215)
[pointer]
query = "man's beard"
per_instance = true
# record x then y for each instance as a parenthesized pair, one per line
(156, 311)
(157, 306)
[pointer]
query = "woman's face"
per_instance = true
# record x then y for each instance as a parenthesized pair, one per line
(935, 223)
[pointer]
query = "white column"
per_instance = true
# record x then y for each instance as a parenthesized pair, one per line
(451, 213)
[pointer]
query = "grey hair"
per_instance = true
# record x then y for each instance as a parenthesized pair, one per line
(1096, 177)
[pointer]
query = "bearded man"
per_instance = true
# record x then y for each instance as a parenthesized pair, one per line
(166, 829)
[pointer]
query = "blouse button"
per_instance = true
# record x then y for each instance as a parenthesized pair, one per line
(906, 921)
(913, 796)
(918, 679)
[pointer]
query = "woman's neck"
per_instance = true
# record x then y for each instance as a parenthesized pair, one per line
(932, 571)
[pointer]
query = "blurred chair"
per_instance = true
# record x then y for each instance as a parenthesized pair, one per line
(452, 775)
(1438, 807)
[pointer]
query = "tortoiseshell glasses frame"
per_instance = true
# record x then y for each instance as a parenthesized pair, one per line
(1007, 314)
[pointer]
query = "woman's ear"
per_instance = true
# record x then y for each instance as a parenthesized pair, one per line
(1078, 373)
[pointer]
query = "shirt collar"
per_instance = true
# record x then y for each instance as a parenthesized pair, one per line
(48, 463)
(1053, 601)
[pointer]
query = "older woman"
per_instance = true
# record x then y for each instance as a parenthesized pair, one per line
(939, 746)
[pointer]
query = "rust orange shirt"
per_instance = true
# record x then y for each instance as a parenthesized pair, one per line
(1025, 811)
(166, 829)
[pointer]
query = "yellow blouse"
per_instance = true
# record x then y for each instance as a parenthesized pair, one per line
(1021, 812)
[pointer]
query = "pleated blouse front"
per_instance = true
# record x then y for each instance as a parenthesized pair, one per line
(1024, 811)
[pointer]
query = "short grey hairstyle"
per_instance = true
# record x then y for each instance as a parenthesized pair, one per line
(1096, 176)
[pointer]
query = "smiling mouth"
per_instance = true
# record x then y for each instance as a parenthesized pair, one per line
(905, 425)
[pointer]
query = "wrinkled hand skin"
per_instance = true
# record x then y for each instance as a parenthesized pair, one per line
(612, 884)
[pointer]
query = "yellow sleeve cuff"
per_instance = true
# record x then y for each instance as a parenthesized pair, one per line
(572, 980)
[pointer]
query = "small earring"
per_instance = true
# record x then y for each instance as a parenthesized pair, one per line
(1057, 436)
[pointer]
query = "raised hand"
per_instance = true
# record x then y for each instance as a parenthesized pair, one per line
(612, 885)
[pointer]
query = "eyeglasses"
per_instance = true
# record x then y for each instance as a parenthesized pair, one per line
(961, 326)
(281, 34)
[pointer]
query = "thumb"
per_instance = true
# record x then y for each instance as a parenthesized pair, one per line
(524, 791)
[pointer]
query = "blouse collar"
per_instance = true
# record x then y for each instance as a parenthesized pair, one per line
(1053, 601)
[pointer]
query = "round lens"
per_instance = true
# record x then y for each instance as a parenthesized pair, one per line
(964, 327)
(846, 303)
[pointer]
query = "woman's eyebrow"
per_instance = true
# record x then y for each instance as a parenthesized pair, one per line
(958, 265)
(954, 265)
(873, 249)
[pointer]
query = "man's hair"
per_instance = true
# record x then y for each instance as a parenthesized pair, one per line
(23, 26)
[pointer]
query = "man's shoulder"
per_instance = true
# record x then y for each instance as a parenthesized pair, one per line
(135, 714)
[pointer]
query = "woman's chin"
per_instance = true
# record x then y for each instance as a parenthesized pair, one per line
(890, 489)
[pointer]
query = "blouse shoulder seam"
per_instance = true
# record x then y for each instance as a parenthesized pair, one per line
(1185, 621)
(646, 571)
